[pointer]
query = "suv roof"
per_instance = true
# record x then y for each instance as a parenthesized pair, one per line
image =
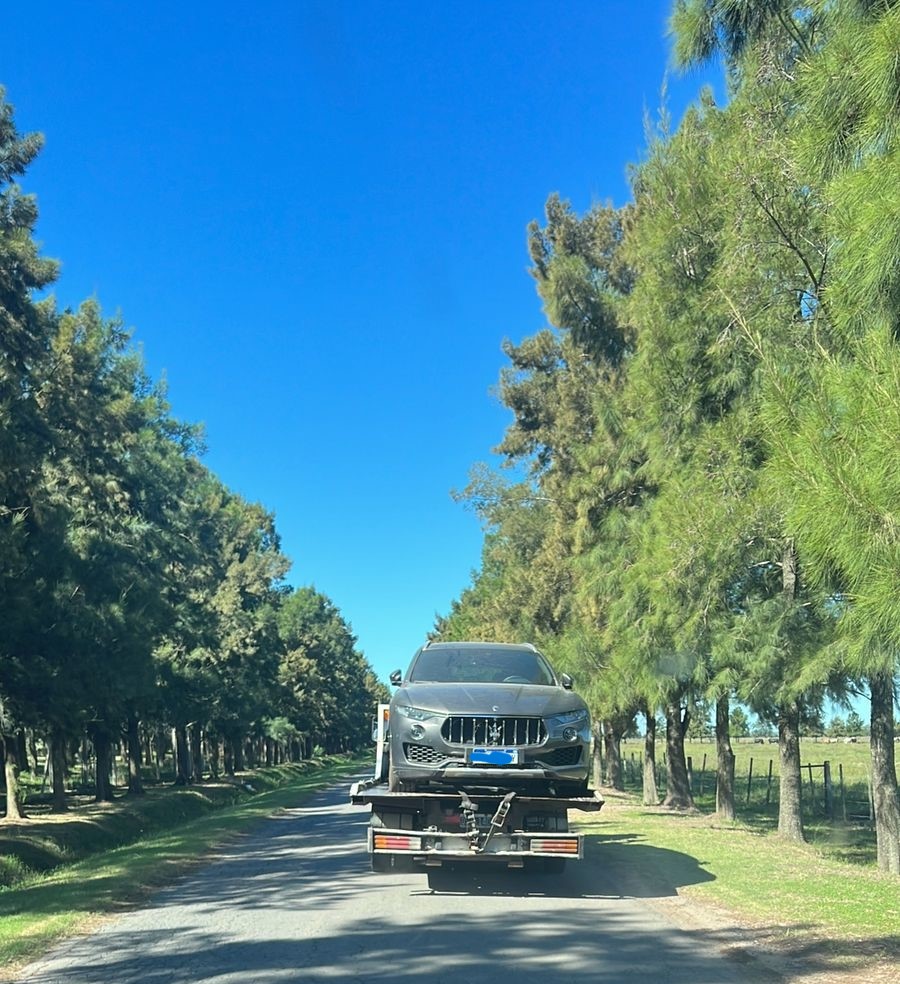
(480, 645)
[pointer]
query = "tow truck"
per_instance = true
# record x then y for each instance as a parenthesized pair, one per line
(465, 822)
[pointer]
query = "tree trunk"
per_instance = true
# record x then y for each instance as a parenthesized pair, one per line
(213, 755)
(724, 761)
(597, 756)
(884, 775)
(611, 738)
(135, 782)
(238, 747)
(270, 752)
(229, 757)
(183, 771)
(158, 741)
(57, 752)
(651, 793)
(14, 807)
(22, 751)
(33, 752)
(84, 754)
(678, 787)
(196, 753)
(103, 752)
(790, 818)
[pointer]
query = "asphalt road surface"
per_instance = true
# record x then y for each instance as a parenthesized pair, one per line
(295, 901)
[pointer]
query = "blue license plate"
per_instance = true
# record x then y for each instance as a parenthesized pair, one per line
(494, 756)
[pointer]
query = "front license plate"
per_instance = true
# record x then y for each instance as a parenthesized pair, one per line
(494, 756)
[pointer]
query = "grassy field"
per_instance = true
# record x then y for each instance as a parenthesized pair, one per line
(848, 835)
(68, 870)
(799, 900)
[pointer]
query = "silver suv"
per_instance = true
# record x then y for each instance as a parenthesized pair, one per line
(486, 714)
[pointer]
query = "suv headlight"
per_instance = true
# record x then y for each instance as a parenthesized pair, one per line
(416, 713)
(575, 718)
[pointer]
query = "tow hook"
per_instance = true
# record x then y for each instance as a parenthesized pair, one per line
(497, 820)
(467, 810)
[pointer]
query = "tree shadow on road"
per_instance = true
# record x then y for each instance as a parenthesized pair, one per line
(612, 869)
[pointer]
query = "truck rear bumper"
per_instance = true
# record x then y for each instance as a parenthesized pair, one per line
(434, 847)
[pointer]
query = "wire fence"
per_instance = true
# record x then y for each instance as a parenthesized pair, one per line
(825, 790)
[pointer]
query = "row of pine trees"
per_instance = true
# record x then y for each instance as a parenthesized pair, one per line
(140, 598)
(708, 432)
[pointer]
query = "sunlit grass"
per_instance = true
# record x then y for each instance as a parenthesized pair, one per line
(753, 874)
(849, 836)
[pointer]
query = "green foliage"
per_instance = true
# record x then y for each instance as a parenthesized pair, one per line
(740, 723)
(330, 692)
(710, 423)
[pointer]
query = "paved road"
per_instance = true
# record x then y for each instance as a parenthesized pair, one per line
(295, 901)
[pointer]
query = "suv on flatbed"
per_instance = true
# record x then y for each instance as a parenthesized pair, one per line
(487, 715)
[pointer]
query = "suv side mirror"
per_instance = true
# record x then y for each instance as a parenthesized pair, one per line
(566, 681)
(396, 677)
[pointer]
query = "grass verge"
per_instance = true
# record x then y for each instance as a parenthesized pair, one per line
(43, 907)
(800, 894)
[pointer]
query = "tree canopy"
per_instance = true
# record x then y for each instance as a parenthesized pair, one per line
(707, 426)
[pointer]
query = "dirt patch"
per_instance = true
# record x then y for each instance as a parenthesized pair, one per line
(778, 953)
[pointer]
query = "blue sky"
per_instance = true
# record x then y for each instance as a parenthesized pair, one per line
(313, 215)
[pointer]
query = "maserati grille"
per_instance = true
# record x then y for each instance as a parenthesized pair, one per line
(500, 731)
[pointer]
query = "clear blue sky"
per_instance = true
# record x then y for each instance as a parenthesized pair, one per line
(313, 215)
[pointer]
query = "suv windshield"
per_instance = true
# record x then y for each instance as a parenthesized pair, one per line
(486, 665)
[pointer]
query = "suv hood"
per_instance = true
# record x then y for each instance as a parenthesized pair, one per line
(507, 699)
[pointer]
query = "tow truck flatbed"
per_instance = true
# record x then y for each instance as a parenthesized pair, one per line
(371, 792)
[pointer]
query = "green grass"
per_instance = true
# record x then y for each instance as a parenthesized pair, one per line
(793, 891)
(182, 826)
(850, 840)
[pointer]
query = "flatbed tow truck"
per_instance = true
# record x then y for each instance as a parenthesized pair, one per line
(468, 822)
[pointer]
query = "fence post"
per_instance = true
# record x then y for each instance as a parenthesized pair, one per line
(812, 789)
(769, 784)
(749, 779)
(702, 773)
(690, 768)
(829, 794)
(843, 800)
